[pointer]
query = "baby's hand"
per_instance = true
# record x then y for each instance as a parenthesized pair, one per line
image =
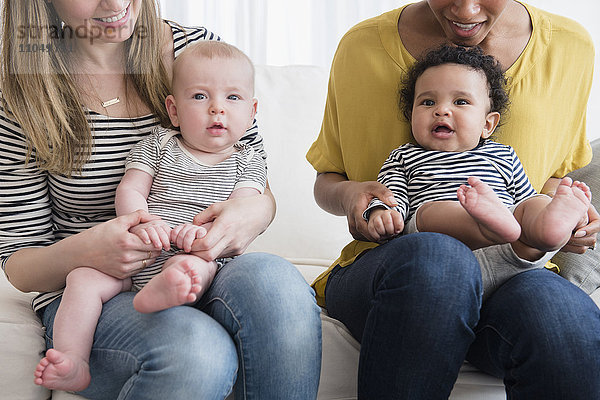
(155, 232)
(385, 224)
(184, 235)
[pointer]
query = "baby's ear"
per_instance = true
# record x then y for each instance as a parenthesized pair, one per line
(253, 112)
(172, 110)
(491, 122)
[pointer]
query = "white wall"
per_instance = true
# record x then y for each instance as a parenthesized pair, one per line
(281, 32)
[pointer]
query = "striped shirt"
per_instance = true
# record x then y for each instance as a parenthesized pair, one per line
(38, 209)
(182, 186)
(416, 175)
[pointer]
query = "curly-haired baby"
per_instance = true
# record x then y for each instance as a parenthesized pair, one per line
(457, 181)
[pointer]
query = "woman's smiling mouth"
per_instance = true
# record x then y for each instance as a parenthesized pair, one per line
(114, 18)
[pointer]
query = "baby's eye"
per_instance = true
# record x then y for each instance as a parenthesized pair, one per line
(428, 103)
(233, 97)
(199, 96)
(461, 102)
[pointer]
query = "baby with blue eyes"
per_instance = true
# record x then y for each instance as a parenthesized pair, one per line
(173, 174)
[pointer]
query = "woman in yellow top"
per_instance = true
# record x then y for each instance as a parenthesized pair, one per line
(415, 301)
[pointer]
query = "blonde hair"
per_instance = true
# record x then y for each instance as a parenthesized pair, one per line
(212, 49)
(39, 90)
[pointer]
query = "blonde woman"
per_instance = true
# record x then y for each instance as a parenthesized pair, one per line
(82, 82)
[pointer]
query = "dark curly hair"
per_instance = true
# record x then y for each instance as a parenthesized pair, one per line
(472, 57)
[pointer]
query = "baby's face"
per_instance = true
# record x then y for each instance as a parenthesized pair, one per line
(451, 108)
(214, 102)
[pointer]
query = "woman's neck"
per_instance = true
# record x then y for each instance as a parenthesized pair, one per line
(97, 58)
(420, 31)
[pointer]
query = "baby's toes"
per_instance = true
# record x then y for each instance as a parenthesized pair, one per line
(586, 190)
(582, 192)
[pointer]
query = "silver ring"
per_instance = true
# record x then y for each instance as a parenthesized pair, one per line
(144, 264)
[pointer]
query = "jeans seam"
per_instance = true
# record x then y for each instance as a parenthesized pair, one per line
(130, 382)
(497, 332)
(503, 338)
(239, 339)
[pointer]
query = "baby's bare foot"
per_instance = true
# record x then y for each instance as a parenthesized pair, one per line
(566, 212)
(62, 371)
(494, 219)
(181, 282)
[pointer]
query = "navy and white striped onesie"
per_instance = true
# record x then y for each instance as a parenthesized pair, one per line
(416, 175)
(183, 186)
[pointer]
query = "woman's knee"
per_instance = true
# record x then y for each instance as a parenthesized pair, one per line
(176, 353)
(269, 283)
(542, 325)
(188, 347)
(558, 314)
(431, 263)
(266, 291)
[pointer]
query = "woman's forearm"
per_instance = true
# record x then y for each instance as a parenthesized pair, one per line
(329, 192)
(42, 269)
(108, 247)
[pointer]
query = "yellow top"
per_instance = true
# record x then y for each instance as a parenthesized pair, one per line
(549, 86)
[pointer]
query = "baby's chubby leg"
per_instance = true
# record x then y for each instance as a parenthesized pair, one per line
(183, 280)
(494, 219)
(548, 223)
(65, 367)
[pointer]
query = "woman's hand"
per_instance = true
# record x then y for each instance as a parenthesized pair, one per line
(585, 237)
(355, 202)
(235, 224)
(108, 247)
(112, 248)
(336, 194)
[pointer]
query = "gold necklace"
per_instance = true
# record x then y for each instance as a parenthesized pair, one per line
(110, 102)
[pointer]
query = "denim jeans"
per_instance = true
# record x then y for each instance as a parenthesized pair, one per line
(257, 326)
(414, 303)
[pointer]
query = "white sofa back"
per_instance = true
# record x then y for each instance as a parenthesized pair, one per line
(291, 100)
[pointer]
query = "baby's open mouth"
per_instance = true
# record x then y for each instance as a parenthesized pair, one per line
(442, 129)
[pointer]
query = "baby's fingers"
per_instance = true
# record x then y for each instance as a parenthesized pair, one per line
(155, 237)
(373, 228)
(397, 221)
(182, 239)
(388, 222)
(188, 239)
(143, 235)
(164, 233)
(175, 233)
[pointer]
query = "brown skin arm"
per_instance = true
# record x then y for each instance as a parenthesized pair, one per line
(337, 195)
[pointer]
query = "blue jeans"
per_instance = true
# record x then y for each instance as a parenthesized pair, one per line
(414, 303)
(257, 326)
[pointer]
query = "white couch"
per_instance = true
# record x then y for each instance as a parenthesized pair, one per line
(290, 110)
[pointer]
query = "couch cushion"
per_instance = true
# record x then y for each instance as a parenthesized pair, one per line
(21, 345)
